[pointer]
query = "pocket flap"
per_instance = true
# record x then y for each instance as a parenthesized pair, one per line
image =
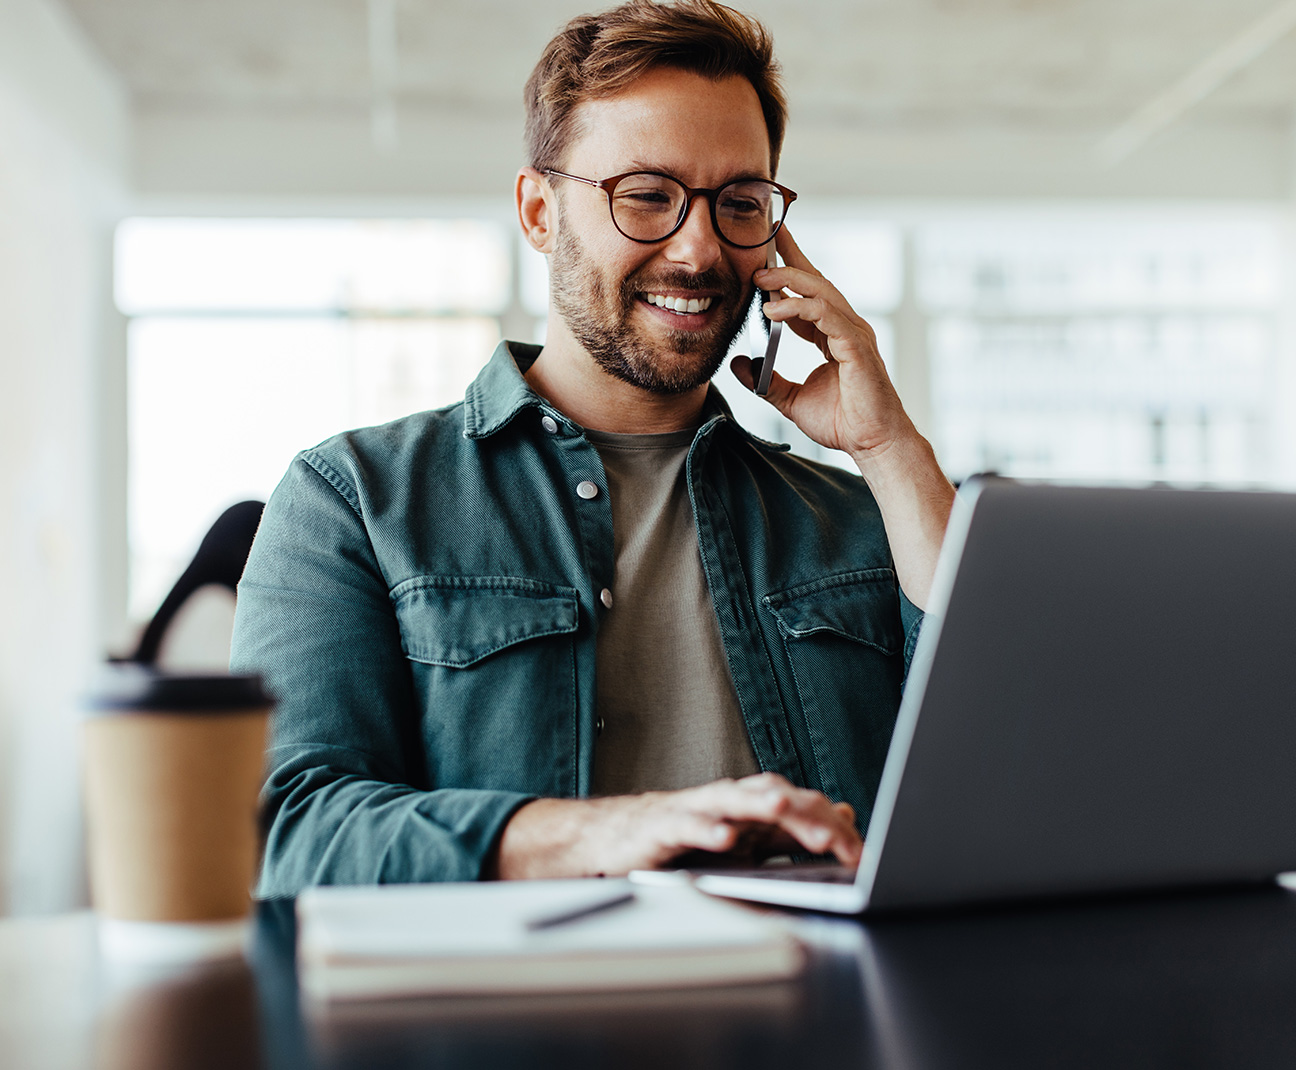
(458, 620)
(862, 606)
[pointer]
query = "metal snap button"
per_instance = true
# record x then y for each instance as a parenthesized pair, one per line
(549, 424)
(586, 489)
(605, 596)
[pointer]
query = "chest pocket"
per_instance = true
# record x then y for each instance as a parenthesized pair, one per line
(493, 662)
(860, 606)
(843, 639)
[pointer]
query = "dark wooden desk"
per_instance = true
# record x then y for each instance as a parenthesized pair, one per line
(1190, 981)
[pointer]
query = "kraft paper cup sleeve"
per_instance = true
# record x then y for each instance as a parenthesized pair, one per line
(173, 767)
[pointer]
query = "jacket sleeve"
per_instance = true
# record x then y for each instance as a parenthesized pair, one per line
(911, 621)
(344, 801)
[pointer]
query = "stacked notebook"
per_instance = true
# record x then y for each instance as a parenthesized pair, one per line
(362, 943)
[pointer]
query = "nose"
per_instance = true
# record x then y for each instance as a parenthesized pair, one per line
(695, 246)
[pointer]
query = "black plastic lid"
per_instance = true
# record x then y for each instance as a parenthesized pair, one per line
(129, 686)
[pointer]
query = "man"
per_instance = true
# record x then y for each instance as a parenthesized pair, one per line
(582, 622)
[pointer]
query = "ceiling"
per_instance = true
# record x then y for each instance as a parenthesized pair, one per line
(901, 76)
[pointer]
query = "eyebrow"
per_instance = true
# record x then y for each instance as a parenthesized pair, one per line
(746, 176)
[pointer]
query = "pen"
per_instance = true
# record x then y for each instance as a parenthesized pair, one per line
(571, 913)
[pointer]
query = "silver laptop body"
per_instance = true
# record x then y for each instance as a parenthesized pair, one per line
(1103, 698)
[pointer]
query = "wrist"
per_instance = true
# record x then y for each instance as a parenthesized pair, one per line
(551, 838)
(914, 497)
(897, 459)
(531, 841)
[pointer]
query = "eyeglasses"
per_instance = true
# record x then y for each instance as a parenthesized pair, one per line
(649, 207)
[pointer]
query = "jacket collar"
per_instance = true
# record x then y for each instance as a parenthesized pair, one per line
(716, 412)
(499, 393)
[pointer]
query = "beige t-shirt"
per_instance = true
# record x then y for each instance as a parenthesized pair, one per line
(669, 713)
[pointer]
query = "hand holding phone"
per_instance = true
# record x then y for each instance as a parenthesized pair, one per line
(771, 347)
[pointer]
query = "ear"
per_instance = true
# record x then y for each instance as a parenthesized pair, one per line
(537, 209)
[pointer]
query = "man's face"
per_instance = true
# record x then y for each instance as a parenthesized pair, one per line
(607, 288)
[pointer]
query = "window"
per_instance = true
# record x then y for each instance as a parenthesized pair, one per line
(252, 339)
(1103, 349)
(1059, 344)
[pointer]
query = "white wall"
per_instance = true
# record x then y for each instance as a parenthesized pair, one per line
(196, 150)
(63, 150)
(1284, 444)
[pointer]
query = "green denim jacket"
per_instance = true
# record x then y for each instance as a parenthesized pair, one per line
(423, 597)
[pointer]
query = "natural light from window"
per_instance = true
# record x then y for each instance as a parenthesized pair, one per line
(1056, 345)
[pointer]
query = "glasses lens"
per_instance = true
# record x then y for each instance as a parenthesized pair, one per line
(748, 213)
(647, 207)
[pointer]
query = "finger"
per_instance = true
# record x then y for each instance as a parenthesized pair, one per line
(758, 799)
(806, 815)
(815, 290)
(809, 332)
(668, 824)
(844, 843)
(782, 392)
(823, 314)
(791, 252)
(746, 370)
(758, 842)
(677, 831)
(799, 282)
(764, 782)
(821, 826)
(797, 273)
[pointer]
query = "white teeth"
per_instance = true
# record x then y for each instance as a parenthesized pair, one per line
(680, 304)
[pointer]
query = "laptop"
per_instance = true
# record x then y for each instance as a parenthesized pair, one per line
(1103, 699)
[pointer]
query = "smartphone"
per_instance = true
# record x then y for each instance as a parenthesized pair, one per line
(774, 329)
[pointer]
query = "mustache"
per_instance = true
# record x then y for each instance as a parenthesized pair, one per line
(711, 279)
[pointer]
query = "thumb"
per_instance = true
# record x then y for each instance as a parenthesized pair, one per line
(781, 392)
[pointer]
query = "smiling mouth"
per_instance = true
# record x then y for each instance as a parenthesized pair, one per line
(681, 306)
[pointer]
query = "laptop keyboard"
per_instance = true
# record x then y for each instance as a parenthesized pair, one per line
(815, 873)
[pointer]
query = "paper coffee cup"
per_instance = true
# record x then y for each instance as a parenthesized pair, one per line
(173, 767)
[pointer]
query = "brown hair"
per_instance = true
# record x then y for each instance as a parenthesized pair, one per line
(599, 55)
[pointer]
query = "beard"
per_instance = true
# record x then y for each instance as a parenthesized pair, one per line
(600, 320)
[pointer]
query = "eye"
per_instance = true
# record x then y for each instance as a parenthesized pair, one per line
(745, 200)
(740, 206)
(644, 196)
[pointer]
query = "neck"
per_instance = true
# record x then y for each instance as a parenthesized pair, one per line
(567, 376)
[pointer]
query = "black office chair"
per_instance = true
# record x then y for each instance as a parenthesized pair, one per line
(219, 560)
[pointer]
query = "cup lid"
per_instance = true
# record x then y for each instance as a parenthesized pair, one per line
(130, 686)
